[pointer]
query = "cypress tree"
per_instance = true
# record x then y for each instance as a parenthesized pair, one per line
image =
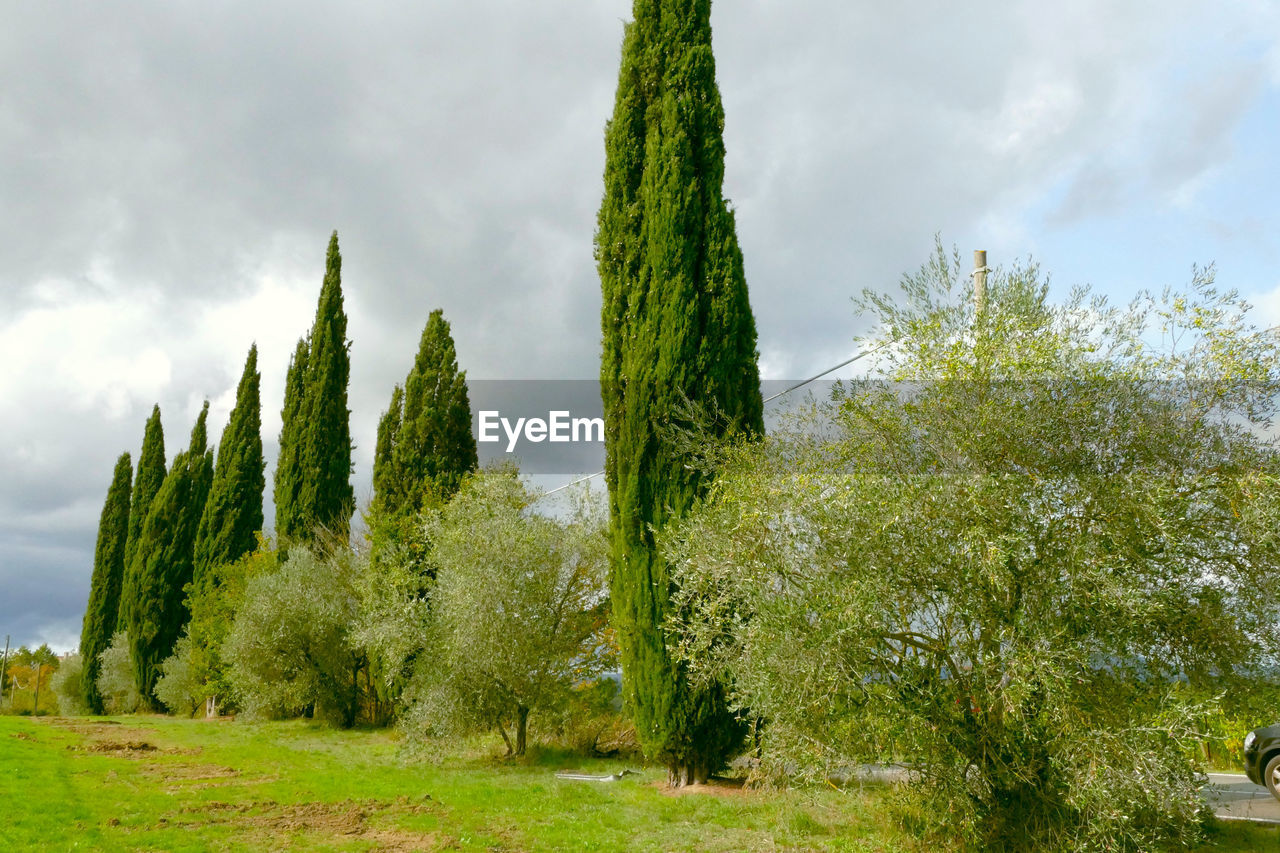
(426, 430)
(233, 511)
(289, 474)
(315, 476)
(147, 480)
(676, 324)
(108, 575)
(385, 492)
(163, 563)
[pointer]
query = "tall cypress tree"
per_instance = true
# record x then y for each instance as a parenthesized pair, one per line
(676, 324)
(233, 512)
(425, 444)
(108, 574)
(147, 481)
(315, 475)
(163, 563)
(289, 474)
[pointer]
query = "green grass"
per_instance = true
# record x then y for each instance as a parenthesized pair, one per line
(154, 783)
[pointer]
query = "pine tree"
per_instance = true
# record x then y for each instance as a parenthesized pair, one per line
(233, 511)
(163, 562)
(147, 480)
(289, 474)
(108, 574)
(314, 473)
(676, 324)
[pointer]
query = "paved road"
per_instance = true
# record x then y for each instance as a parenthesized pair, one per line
(1232, 795)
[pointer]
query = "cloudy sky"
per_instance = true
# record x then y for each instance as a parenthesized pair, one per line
(169, 176)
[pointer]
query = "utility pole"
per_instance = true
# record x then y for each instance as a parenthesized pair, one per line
(3, 664)
(35, 705)
(979, 282)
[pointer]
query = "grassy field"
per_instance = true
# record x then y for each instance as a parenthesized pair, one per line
(154, 783)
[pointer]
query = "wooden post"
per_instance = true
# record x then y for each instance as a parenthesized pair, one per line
(3, 664)
(35, 706)
(979, 282)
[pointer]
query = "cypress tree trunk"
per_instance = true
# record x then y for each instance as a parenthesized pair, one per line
(676, 325)
(232, 514)
(101, 613)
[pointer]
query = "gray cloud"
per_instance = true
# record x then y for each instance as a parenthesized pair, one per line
(171, 175)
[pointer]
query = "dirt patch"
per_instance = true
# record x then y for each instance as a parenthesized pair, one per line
(269, 822)
(120, 746)
(23, 736)
(715, 788)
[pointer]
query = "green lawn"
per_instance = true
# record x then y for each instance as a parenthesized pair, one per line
(154, 783)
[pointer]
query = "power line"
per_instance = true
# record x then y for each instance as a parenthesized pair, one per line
(769, 399)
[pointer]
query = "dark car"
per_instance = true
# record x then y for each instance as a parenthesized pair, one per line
(1262, 757)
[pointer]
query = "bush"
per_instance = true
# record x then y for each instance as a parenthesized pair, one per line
(115, 677)
(179, 687)
(290, 649)
(65, 684)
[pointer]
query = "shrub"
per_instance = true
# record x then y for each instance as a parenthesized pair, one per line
(115, 677)
(65, 684)
(290, 649)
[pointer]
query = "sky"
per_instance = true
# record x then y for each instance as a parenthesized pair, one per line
(170, 175)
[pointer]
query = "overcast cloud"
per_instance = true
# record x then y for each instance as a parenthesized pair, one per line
(170, 175)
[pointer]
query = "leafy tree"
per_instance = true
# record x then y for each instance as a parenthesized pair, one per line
(1001, 565)
(29, 672)
(179, 686)
(150, 475)
(425, 446)
(108, 575)
(232, 517)
(677, 326)
(164, 562)
(515, 618)
(67, 687)
(313, 480)
(116, 683)
(213, 600)
(290, 648)
(289, 475)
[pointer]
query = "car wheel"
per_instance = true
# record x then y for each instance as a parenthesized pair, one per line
(1271, 778)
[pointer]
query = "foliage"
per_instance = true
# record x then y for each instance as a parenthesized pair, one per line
(100, 615)
(66, 685)
(232, 517)
(515, 618)
(163, 562)
(313, 482)
(147, 481)
(677, 326)
(290, 648)
(289, 467)
(425, 446)
(179, 686)
(213, 600)
(29, 672)
(998, 566)
(116, 683)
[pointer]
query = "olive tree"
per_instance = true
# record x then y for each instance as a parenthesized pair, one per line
(116, 683)
(290, 649)
(515, 616)
(998, 560)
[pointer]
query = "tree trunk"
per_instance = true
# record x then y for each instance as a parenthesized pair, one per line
(502, 730)
(522, 728)
(690, 771)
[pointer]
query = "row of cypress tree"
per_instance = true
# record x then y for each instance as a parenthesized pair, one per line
(163, 533)
(676, 326)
